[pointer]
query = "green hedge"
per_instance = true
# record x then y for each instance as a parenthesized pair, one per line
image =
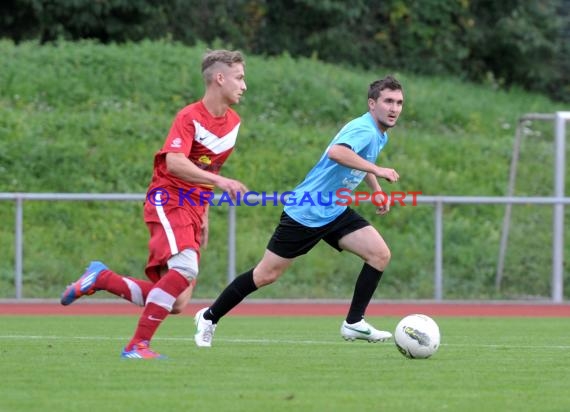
(83, 117)
(503, 43)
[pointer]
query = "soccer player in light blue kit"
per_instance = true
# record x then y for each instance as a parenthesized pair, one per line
(314, 212)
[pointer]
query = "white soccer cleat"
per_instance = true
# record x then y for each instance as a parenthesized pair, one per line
(363, 330)
(204, 330)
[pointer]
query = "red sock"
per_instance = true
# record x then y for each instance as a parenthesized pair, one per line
(132, 289)
(158, 305)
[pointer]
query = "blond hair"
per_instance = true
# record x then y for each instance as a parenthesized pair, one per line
(212, 57)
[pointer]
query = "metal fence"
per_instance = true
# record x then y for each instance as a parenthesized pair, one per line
(558, 202)
(438, 202)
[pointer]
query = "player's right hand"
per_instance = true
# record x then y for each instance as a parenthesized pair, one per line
(389, 174)
(232, 187)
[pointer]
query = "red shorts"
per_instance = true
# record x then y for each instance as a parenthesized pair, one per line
(172, 229)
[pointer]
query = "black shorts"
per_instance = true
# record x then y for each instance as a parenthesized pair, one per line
(292, 239)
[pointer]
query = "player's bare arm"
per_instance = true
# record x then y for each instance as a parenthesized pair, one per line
(180, 166)
(346, 157)
(372, 182)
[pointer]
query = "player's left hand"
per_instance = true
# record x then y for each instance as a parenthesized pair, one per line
(383, 209)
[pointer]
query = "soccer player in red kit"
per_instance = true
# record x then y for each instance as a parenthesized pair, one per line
(200, 140)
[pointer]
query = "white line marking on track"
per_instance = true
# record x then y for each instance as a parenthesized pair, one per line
(270, 341)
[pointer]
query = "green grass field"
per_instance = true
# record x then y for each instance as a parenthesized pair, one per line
(273, 364)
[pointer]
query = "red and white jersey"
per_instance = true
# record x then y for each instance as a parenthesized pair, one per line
(206, 140)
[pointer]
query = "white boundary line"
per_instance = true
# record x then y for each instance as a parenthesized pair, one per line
(271, 341)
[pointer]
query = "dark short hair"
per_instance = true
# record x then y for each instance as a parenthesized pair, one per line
(388, 82)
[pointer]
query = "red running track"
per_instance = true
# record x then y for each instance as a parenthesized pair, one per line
(302, 308)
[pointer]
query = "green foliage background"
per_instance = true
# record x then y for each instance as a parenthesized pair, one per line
(511, 42)
(83, 117)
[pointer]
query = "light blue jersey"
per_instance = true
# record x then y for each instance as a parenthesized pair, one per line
(314, 201)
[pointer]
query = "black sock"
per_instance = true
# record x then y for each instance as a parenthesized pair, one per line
(366, 284)
(231, 296)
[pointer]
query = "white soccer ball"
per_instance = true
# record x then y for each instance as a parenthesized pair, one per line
(417, 336)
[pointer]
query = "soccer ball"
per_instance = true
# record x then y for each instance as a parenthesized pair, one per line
(417, 336)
